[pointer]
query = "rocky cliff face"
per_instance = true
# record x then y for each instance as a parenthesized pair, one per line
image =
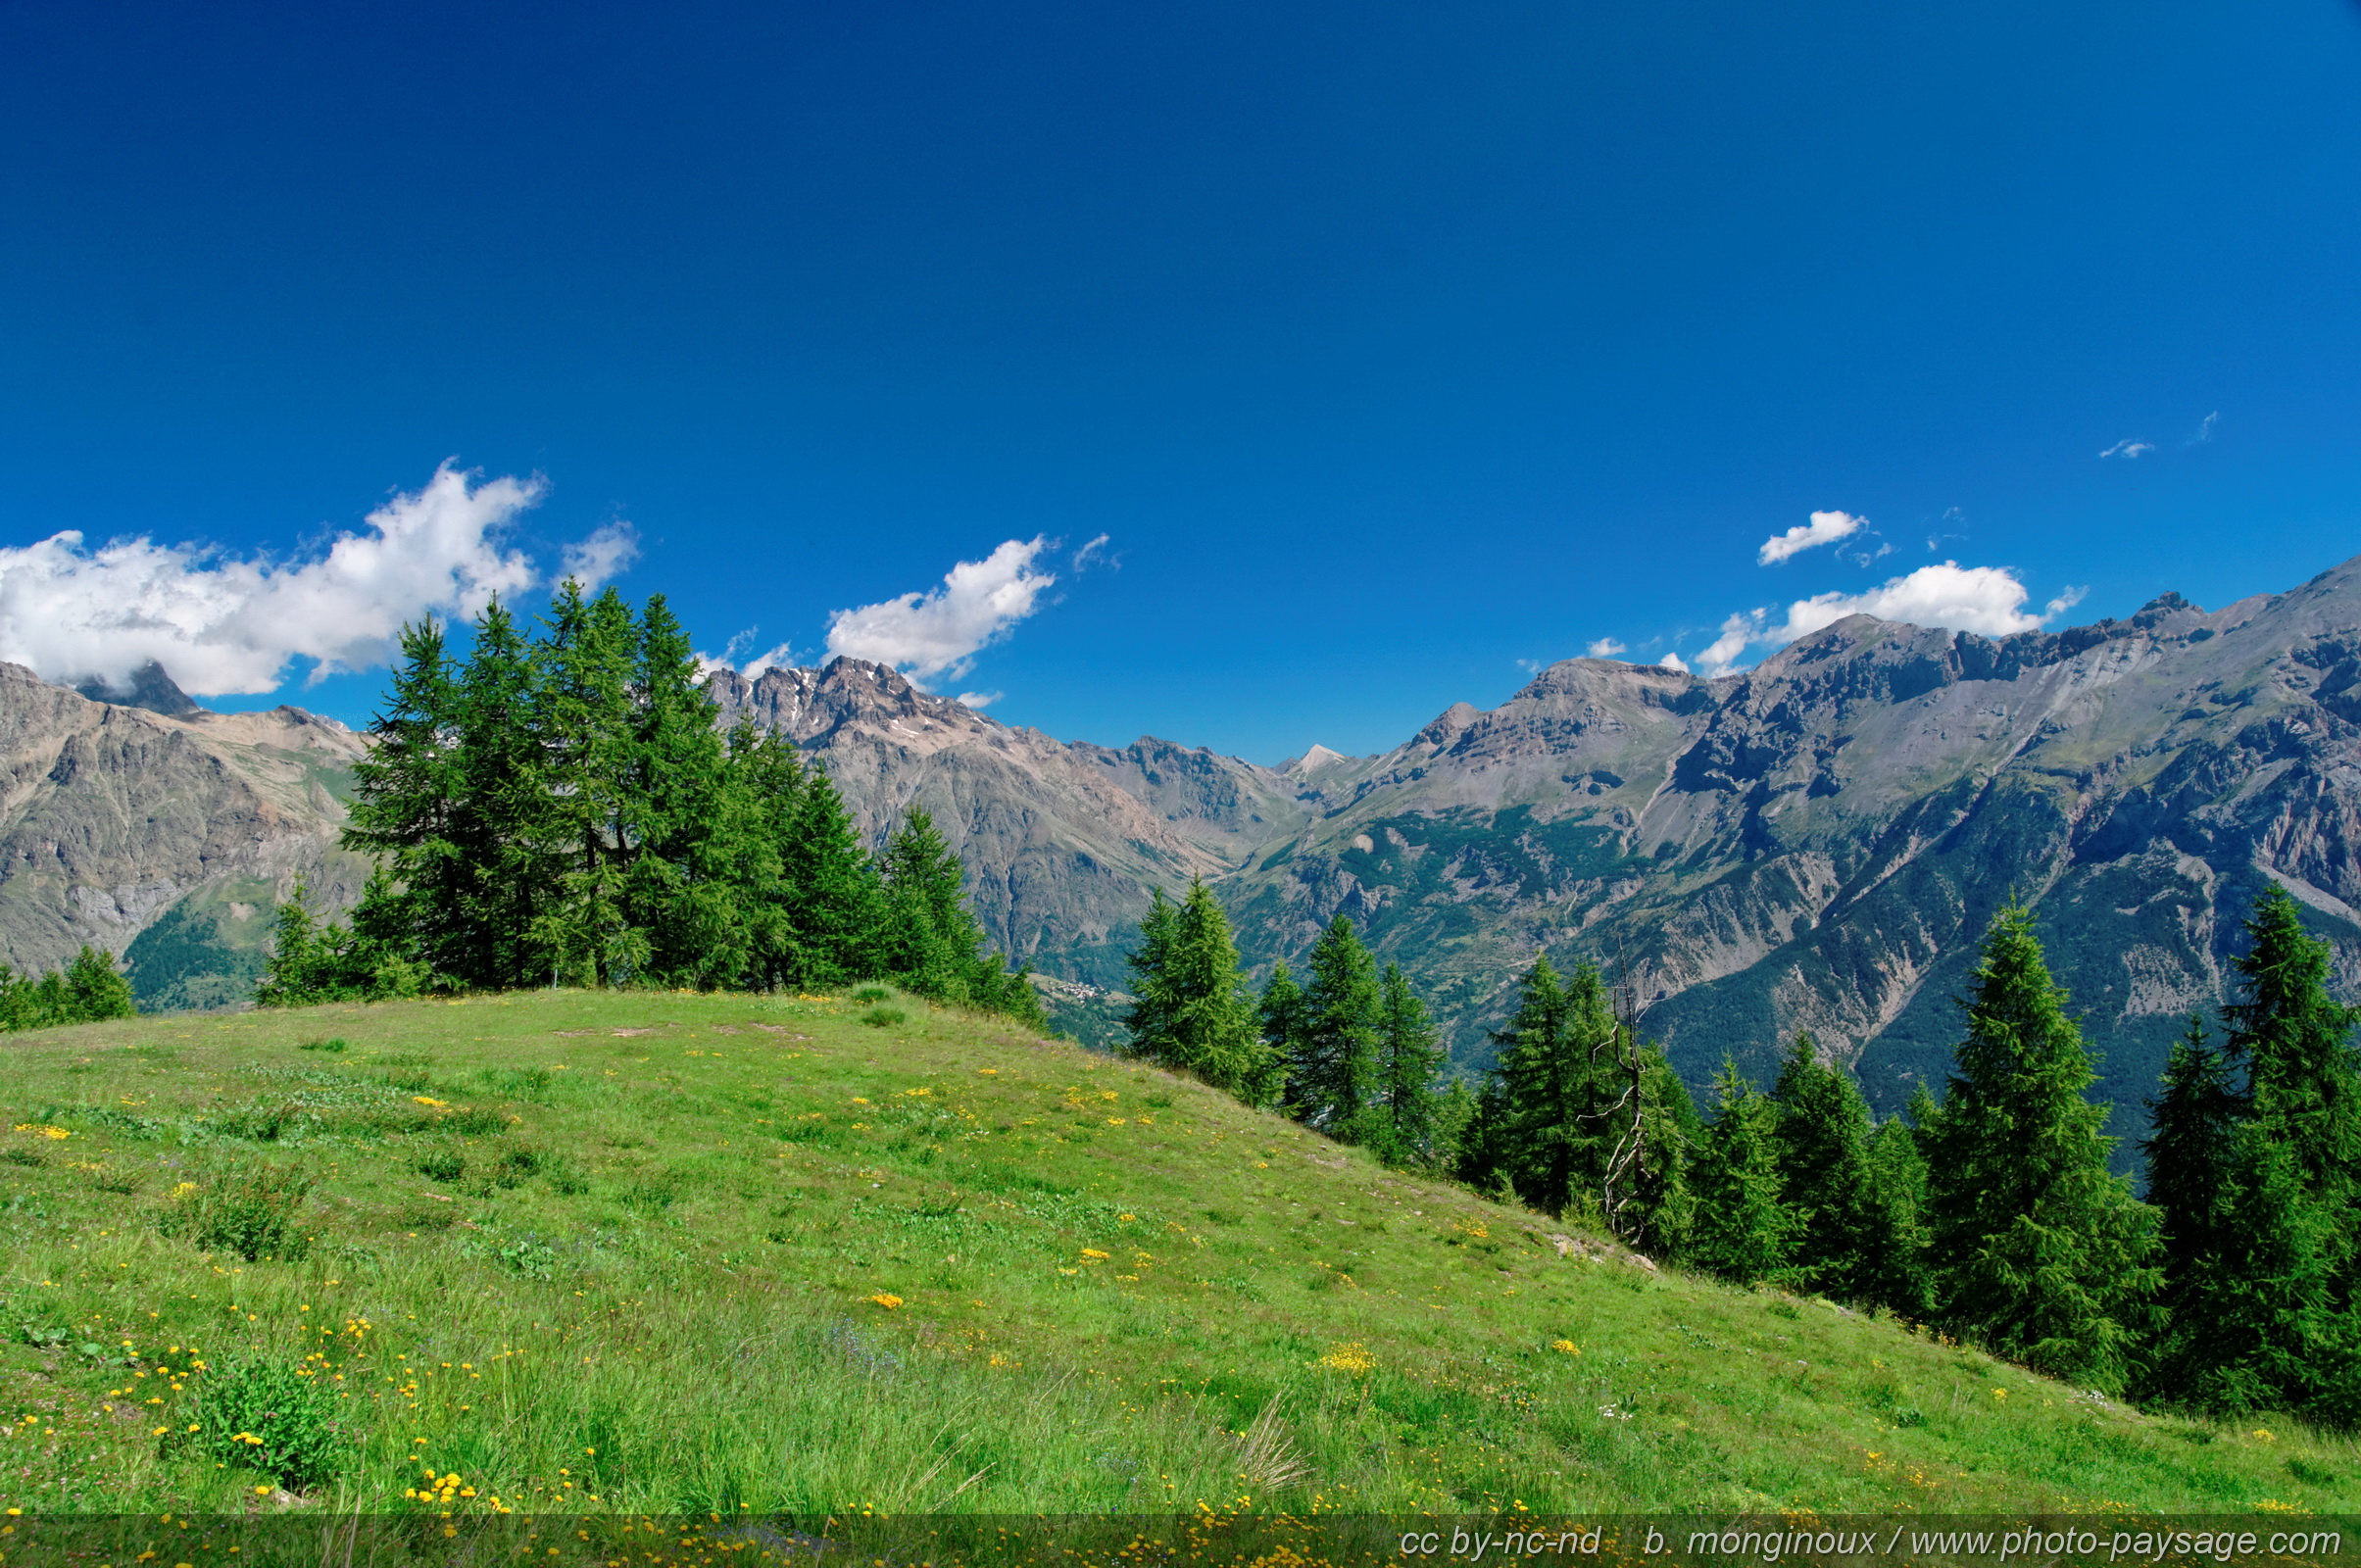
(117, 819)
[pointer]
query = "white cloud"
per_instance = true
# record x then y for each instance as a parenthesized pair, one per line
(219, 624)
(978, 699)
(1979, 599)
(1605, 647)
(2128, 448)
(1094, 554)
(2205, 428)
(1987, 599)
(605, 555)
(1825, 528)
(1737, 633)
(1673, 661)
(939, 632)
(733, 657)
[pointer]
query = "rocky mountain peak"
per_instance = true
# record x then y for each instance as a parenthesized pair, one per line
(147, 687)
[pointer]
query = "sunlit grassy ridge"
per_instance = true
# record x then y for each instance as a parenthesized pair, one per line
(583, 1251)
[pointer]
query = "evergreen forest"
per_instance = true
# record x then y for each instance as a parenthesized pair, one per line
(1986, 1211)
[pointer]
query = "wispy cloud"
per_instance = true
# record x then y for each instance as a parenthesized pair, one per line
(2064, 602)
(1094, 554)
(940, 631)
(225, 624)
(1605, 647)
(733, 655)
(605, 555)
(979, 699)
(1825, 528)
(2128, 448)
(1738, 632)
(2205, 429)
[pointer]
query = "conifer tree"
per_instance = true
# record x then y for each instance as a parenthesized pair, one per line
(1544, 1131)
(834, 900)
(477, 927)
(2294, 1043)
(1402, 1123)
(2039, 1253)
(1333, 1074)
(2191, 1154)
(930, 942)
(1896, 1207)
(1194, 1012)
(583, 693)
(1281, 1012)
(406, 805)
(1744, 1229)
(94, 990)
(678, 888)
(1859, 1239)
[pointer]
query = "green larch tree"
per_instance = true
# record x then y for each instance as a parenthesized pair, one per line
(2039, 1253)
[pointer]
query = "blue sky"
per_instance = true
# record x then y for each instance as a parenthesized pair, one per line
(1393, 347)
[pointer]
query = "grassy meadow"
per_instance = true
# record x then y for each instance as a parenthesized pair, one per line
(723, 1254)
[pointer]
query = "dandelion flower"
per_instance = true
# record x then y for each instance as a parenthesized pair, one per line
(887, 1299)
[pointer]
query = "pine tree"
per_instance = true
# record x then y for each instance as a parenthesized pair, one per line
(760, 805)
(476, 924)
(2295, 1042)
(1896, 1210)
(1281, 1012)
(584, 698)
(1545, 1130)
(1744, 1229)
(834, 900)
(1194, 1012)
(930, 942)
(2191, 1158)
(1824, 1130)
(2039, 1253)
(94, 990)
(677, 889)
(1333, 1075)
(1404, 1121)
(407, 808)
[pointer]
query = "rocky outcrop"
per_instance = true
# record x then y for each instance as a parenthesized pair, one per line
(110, 815)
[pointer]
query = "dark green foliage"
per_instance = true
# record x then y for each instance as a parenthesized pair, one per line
(309, 963)
(1402, 1123)
(1331, 1049)
(271, 1417)
(1899, 1280)
(2294, 1043)
(2254, 1181)
(1192, 1012)
(86, 991)
(1743, 1230)
(1541, 1124)
(2039, 1253)
(930, 942)
(1859, 1237)
(565, 810)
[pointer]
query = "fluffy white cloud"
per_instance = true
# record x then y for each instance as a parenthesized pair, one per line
(1979, 599)
(221, 624)
(606, 554)
(1605, 647)
(1989, 599)
(978, 699)
(1825, 528)
(2128, 448)
(1675, 662)
(939, 632)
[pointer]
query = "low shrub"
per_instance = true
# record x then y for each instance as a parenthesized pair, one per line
(883, 1017)
(269, 1416)
(868, 994)
(254, 1211)
(321, 1044)
(442, 1165)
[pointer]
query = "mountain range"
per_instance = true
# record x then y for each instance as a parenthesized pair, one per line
(1812, 843)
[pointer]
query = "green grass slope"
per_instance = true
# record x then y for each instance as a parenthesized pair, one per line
(599, 1252)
